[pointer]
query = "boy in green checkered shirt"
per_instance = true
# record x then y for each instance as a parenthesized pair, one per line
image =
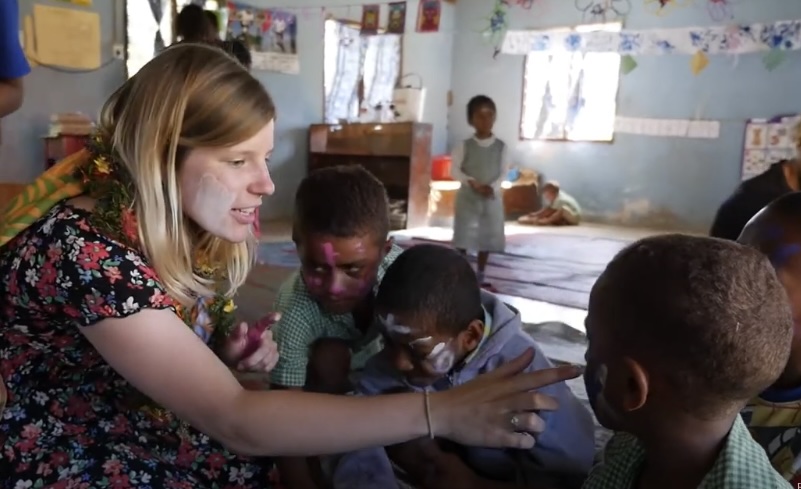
(683, 331)
(327, 327)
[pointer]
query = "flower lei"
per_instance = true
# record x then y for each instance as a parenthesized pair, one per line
(108, 182)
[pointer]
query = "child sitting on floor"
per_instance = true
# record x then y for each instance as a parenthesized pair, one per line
(561, 209)
(442, 330)
(341, 232)
(774, 417)
(683, 331)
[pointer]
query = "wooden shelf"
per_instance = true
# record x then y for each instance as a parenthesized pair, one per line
(398, 154)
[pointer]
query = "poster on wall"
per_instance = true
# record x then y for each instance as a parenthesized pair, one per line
(271, 36)
(767, 141)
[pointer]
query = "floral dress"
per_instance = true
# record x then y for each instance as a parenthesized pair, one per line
(69, 421)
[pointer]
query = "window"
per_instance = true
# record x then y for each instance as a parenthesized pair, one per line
(141, 28)
(571, 96)
(357, 69)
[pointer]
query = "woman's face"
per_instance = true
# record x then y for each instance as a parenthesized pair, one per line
(221, 188)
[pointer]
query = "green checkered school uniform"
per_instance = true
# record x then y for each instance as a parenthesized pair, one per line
(303, 322)
(742, 464)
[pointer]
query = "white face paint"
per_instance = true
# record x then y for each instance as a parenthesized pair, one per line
(221, 188)
(442, 358)
(394, 327)
(213, 205)
(420, 341)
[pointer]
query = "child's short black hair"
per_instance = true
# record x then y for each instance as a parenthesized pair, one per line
(343, 201)
(710, 315)
(238, 50)
(478, 102)
(432, 283)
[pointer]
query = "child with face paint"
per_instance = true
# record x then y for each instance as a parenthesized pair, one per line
(774, 417)
(683, 331)
(442, 330)
(327, 326)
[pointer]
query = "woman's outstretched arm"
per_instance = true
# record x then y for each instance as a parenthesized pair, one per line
(160, 356)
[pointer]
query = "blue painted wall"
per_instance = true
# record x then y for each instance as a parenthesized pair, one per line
(637, 180)
(49, 91)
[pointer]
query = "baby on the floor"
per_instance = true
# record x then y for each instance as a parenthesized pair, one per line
(560, 209)
(442, 330)
(683, 331)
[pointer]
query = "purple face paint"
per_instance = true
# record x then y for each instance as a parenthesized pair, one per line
(783, 253)
(330, 255)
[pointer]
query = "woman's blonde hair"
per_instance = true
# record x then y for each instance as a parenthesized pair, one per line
(189, 96)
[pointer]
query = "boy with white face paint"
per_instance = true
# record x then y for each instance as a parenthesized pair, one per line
(442, 330)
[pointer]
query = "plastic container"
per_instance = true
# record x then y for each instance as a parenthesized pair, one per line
(441, 168)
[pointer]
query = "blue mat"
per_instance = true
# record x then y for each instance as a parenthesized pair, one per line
(282, 254)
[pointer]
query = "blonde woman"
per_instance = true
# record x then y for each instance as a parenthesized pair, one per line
(117, 372)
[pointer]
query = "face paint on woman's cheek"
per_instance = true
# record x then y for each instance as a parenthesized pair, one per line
(212, 204)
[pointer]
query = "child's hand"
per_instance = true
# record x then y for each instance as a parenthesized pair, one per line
(251, 347)
(487, 191)
(447, 471)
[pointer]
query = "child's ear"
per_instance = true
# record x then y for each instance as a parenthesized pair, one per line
(637, 386)
(472, 336)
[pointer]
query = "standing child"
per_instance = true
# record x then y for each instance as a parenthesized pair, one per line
(683, 331)
(480, 163)
(442, 330)
(774, 417)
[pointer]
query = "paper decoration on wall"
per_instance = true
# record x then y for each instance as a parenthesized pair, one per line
(428, 15)
(82, 3)
(66, 37)
(497, 23)
(773, 59)
(627, 64)
(699, 62)
(594, 11)
(370, 19)
(271, 36)
(720, 39)
(664, 7)
(767, 141)
(674, 128)
(720, 10)
(396, 23)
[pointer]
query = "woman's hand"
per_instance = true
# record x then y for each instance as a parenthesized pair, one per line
(250, 348)
(498, 409)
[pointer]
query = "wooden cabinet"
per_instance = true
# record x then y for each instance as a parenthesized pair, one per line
(398, 154)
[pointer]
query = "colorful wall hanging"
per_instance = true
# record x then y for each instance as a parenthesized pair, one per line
(720, 10)
(370, 19)
(428, 15)
(396, 22)
(783, 35)
(767, 141)
(594, 11)
(497, 23)
(270, 34)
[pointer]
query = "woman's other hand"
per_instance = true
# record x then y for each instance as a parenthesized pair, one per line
(250, 348)
(498, 409)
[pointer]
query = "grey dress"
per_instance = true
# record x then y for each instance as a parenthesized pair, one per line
(478, 222)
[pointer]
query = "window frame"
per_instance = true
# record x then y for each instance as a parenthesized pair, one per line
(526, 120)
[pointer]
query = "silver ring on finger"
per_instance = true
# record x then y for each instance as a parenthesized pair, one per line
(514, 421)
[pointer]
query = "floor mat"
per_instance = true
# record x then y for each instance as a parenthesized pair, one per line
(555, 268)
